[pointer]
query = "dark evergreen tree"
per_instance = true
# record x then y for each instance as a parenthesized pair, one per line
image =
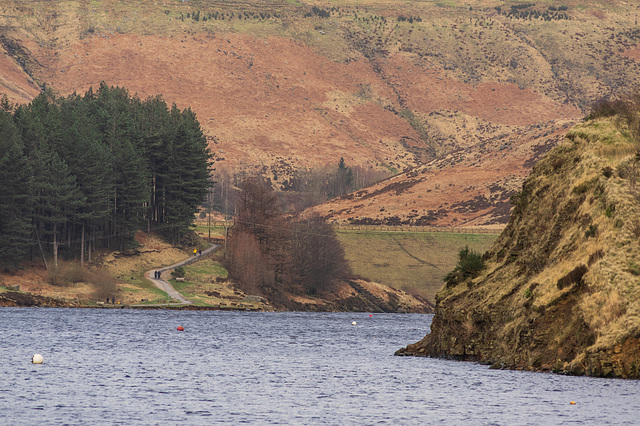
(91, 162)
(39, 123)
(57, 198)
(130, 191)
(187, 180)
(343, 181)
(15, 196)
(155, 125)
(123, 139)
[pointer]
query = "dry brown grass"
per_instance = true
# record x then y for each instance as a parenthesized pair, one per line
(68, 274)
(599, 299)
(603, 308)
(618, 150)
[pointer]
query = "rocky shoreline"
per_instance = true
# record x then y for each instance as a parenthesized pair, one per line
(19, 299)
(359, 299)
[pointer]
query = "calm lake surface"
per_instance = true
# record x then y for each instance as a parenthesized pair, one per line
(133, 367)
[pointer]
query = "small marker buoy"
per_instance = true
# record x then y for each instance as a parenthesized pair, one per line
(572, 403)
(370, 315)
(354, 323)
(180, 328)
(37, 359)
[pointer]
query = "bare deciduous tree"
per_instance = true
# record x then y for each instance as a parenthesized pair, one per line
(269, 252)
(257, 207)
(317, 256)
(246, 263)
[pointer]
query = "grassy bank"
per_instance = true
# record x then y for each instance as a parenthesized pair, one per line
(412, 261)
(205, 285)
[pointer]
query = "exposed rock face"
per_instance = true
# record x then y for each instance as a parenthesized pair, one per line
(560, 291)
(354, 295)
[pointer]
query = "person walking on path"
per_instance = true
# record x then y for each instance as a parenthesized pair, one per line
(166, 286)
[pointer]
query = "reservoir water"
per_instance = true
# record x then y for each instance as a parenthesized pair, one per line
(134, 367)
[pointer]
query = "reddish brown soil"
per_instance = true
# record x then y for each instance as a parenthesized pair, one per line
(261, 100)
(633, 53)
(18, 87)
(276, 104)
(428, 90)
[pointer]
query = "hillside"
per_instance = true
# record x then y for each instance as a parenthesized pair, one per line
(479, 87)
(560, 287)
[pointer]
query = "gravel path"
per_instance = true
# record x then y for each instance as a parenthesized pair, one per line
(164, 285)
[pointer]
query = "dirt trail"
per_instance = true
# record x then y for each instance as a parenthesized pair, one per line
(164, 285)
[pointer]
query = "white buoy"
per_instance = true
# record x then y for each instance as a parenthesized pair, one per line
(37, 359)
(354, 323)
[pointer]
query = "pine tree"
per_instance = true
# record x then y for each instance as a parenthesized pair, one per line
(188, 173)
(343, 181)
(154, 119)
(101, 163)
(90, 161)
(130, 190)
(57, 197)
(15, 196)
(39, 122)
(123, 138)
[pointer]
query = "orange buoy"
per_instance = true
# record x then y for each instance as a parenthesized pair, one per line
(180, 328)
(572, 403)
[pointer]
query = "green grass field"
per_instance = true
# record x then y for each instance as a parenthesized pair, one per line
(414, 262)
(216, 231)
(203, 289)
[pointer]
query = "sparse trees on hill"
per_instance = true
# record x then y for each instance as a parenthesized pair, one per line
(95, 168)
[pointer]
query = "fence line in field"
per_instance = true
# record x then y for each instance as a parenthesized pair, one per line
(379, 228)
(408, 228)
(215, 223)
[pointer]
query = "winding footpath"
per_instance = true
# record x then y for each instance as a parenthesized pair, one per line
(165, 286)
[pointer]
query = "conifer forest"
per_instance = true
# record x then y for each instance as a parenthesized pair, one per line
(85, 172)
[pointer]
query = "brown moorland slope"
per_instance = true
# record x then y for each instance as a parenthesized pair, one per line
(480, 87)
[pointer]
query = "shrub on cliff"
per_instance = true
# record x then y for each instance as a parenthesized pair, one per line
(469, 265)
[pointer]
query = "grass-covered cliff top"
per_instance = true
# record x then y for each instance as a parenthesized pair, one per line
(561, 286)
(577, 224)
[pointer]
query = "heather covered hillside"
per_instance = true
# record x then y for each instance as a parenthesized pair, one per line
(482, 88)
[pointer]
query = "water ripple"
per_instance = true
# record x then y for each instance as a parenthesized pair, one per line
(133, 367)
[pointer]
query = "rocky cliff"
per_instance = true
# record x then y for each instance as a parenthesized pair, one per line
(561, 286)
